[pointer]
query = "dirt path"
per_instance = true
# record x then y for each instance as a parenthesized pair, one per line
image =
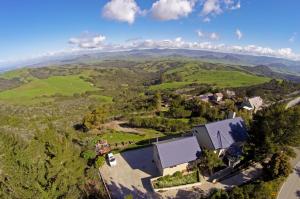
(117, 126)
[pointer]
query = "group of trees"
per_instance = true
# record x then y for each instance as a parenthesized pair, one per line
(48, 166)
(257, 190)
(96, 117)
(275, 129)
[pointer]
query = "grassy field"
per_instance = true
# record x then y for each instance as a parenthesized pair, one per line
(41, 89)
(14, 73)
(118, 137)
(219, 78)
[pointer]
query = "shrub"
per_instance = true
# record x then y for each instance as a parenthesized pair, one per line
(100, 161)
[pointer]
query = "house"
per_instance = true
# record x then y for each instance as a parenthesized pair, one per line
(205, 97)
(175, 154)
(230, 94)
(220, 136)
(253, 104)
(217, 97)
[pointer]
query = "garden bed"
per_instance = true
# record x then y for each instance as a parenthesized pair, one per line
(177, 179)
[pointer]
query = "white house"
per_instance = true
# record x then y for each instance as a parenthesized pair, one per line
(253, 104)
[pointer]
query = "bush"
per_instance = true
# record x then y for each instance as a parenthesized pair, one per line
(88, 154)
(100, 161)
(176, 179)
(197, 121)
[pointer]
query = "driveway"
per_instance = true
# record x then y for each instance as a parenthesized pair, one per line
(291, 188)
(132, 174)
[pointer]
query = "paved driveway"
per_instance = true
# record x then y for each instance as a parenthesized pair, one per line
(132, 174)
(291, 188)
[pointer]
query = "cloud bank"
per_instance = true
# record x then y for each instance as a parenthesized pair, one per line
(97, 42)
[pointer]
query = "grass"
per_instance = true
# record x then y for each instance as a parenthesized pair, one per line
(169, 85)
(14, 73)
(220, 77)
(225, 78)
(117, 137)
(40, 89)
(114, 137)
(102, 98)
(176, 179)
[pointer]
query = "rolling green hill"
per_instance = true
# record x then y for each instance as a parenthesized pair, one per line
(216, 75)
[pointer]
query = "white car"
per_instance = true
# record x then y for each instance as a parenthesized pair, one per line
(111, 159)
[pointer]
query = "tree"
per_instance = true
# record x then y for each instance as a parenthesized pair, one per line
(278, 166)
(157, 101)
(219, 194)
(210, 160)
(274, 129)
(237, 193)
(96, 117)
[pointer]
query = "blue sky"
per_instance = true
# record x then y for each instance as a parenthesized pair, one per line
(33, 27)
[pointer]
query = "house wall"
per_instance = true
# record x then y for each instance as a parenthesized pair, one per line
(157, 160)
(202, 137)
(172, 170)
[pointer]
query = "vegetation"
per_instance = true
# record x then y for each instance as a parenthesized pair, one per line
(210, 160)
(279, 166)
(201, 73)
(275, 129)
(40, 89)
(176, 179)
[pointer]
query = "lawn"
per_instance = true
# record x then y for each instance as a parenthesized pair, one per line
(219, 78)
(41, 89)
(117, 137)
(176, 179)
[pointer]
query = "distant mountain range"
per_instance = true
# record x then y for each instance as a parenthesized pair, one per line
(276, 64)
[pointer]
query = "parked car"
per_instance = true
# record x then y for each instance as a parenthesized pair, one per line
(111, 159)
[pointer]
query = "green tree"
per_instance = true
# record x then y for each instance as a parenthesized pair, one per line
(157, 101)
(219, 194)
(274, 129)
(278, 166)
(210, 160)
(96, 117)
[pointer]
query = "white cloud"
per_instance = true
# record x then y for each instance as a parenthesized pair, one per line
(232, 5)
(200, 34)
(216, 7)
(211, 7)
(206, 20)
(208, 35)
(121, 10)
(172, 9)
(87, 41)
(293, 38)
(239, 34)
(214, 36)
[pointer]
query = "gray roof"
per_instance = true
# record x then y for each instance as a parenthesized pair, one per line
(178, 151)
(226, 132)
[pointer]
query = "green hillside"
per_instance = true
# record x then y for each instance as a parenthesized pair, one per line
(221, 77)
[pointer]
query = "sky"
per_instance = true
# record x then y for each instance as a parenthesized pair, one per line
(34, 28)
